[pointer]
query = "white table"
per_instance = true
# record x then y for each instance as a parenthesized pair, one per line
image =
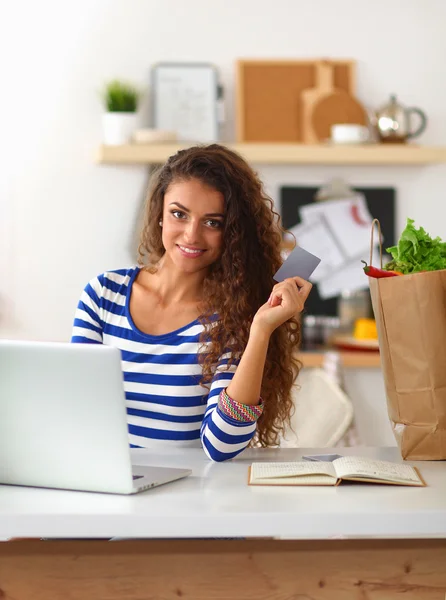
(323, 542)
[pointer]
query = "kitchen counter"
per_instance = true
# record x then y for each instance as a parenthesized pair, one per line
(349, 360)
(215, 501)
(339, 542)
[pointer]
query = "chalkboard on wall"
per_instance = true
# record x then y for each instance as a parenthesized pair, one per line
(381, 204)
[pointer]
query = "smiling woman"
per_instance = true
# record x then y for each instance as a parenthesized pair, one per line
(207, 340)
(192, 224)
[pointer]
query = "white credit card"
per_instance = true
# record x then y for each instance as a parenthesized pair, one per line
(299, 263)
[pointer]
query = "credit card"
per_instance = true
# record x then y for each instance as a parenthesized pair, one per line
(299, 263)
(322, 457)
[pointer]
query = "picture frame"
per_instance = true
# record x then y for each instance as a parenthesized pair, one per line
(185, 100)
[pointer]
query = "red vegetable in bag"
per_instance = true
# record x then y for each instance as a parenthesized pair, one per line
(378, 273)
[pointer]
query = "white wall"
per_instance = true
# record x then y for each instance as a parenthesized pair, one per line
(65, 219)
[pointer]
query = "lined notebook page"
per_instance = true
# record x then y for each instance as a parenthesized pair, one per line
(301, 480)
(283, 470)
(354, 466)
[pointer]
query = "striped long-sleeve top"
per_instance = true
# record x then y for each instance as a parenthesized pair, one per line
(164, 399)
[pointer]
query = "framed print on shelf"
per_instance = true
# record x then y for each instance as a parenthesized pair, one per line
(185, 99)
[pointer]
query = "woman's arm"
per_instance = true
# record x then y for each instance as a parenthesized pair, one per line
(287, 300)
(227, 426)
(246, 383)
(234, 402)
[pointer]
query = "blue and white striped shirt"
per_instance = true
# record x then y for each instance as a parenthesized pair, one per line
(164, 399)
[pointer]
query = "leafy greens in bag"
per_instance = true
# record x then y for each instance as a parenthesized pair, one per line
(417, 251)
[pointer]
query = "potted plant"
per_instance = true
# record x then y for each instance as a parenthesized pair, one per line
(119, 122)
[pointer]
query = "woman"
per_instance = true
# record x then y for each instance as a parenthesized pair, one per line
(207, 340)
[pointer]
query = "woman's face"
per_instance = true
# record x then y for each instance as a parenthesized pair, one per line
(192, 229)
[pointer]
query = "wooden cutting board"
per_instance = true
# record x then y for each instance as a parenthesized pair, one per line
(324, 105)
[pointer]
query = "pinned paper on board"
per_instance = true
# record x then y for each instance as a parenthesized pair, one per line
(338, 231)
(317, 239)
(380, 202)
(349, 277)
(349, 220)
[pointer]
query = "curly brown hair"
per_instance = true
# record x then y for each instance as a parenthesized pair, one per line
(241, 280)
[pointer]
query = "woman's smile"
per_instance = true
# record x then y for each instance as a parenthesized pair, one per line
(190, 252)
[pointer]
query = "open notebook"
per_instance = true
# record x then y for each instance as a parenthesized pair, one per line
(346, 468)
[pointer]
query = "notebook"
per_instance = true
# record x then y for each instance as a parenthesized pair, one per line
(346, 468)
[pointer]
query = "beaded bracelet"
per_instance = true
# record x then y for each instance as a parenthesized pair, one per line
(244, 413)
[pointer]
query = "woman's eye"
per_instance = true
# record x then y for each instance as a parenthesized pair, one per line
(178, 214)
(214, 224)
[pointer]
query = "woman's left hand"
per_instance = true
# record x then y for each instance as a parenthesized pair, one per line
(287, 300)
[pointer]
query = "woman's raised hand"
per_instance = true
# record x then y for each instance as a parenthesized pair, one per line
(287, 299)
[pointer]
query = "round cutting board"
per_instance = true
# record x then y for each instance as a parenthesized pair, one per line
(337, 107)
(324, 106)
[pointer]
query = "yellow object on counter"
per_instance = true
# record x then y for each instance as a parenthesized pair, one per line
(365, 329)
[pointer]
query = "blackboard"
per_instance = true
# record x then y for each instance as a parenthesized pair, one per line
(381, 204)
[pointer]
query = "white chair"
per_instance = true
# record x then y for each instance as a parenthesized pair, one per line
(323, 412)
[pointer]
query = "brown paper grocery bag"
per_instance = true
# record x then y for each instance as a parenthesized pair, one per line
(410, 313)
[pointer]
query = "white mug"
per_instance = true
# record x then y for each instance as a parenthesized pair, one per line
(349, 133)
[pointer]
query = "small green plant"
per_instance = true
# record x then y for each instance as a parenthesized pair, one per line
(121, 97)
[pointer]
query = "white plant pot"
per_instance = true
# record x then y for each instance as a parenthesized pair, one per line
(118, 127)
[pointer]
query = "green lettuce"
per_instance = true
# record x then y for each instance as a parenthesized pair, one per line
(417, 251)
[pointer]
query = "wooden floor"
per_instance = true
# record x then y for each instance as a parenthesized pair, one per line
(223, 570)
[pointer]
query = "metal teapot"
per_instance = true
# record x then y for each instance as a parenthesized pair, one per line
(393, 122)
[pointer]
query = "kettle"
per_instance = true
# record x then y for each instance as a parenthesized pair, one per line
(393, 122)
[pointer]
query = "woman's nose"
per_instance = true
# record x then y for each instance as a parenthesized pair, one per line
(192, 231)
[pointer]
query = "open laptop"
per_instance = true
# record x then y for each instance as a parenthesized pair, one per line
(63, 421)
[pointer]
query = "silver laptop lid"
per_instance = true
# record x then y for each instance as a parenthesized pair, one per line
(62, 417)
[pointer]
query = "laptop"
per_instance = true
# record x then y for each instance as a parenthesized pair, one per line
(63, 422)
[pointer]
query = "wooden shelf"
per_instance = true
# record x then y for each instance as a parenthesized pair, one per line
(350, 360)
(293, 154)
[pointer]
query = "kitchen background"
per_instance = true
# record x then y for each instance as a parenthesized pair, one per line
(65, 219)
